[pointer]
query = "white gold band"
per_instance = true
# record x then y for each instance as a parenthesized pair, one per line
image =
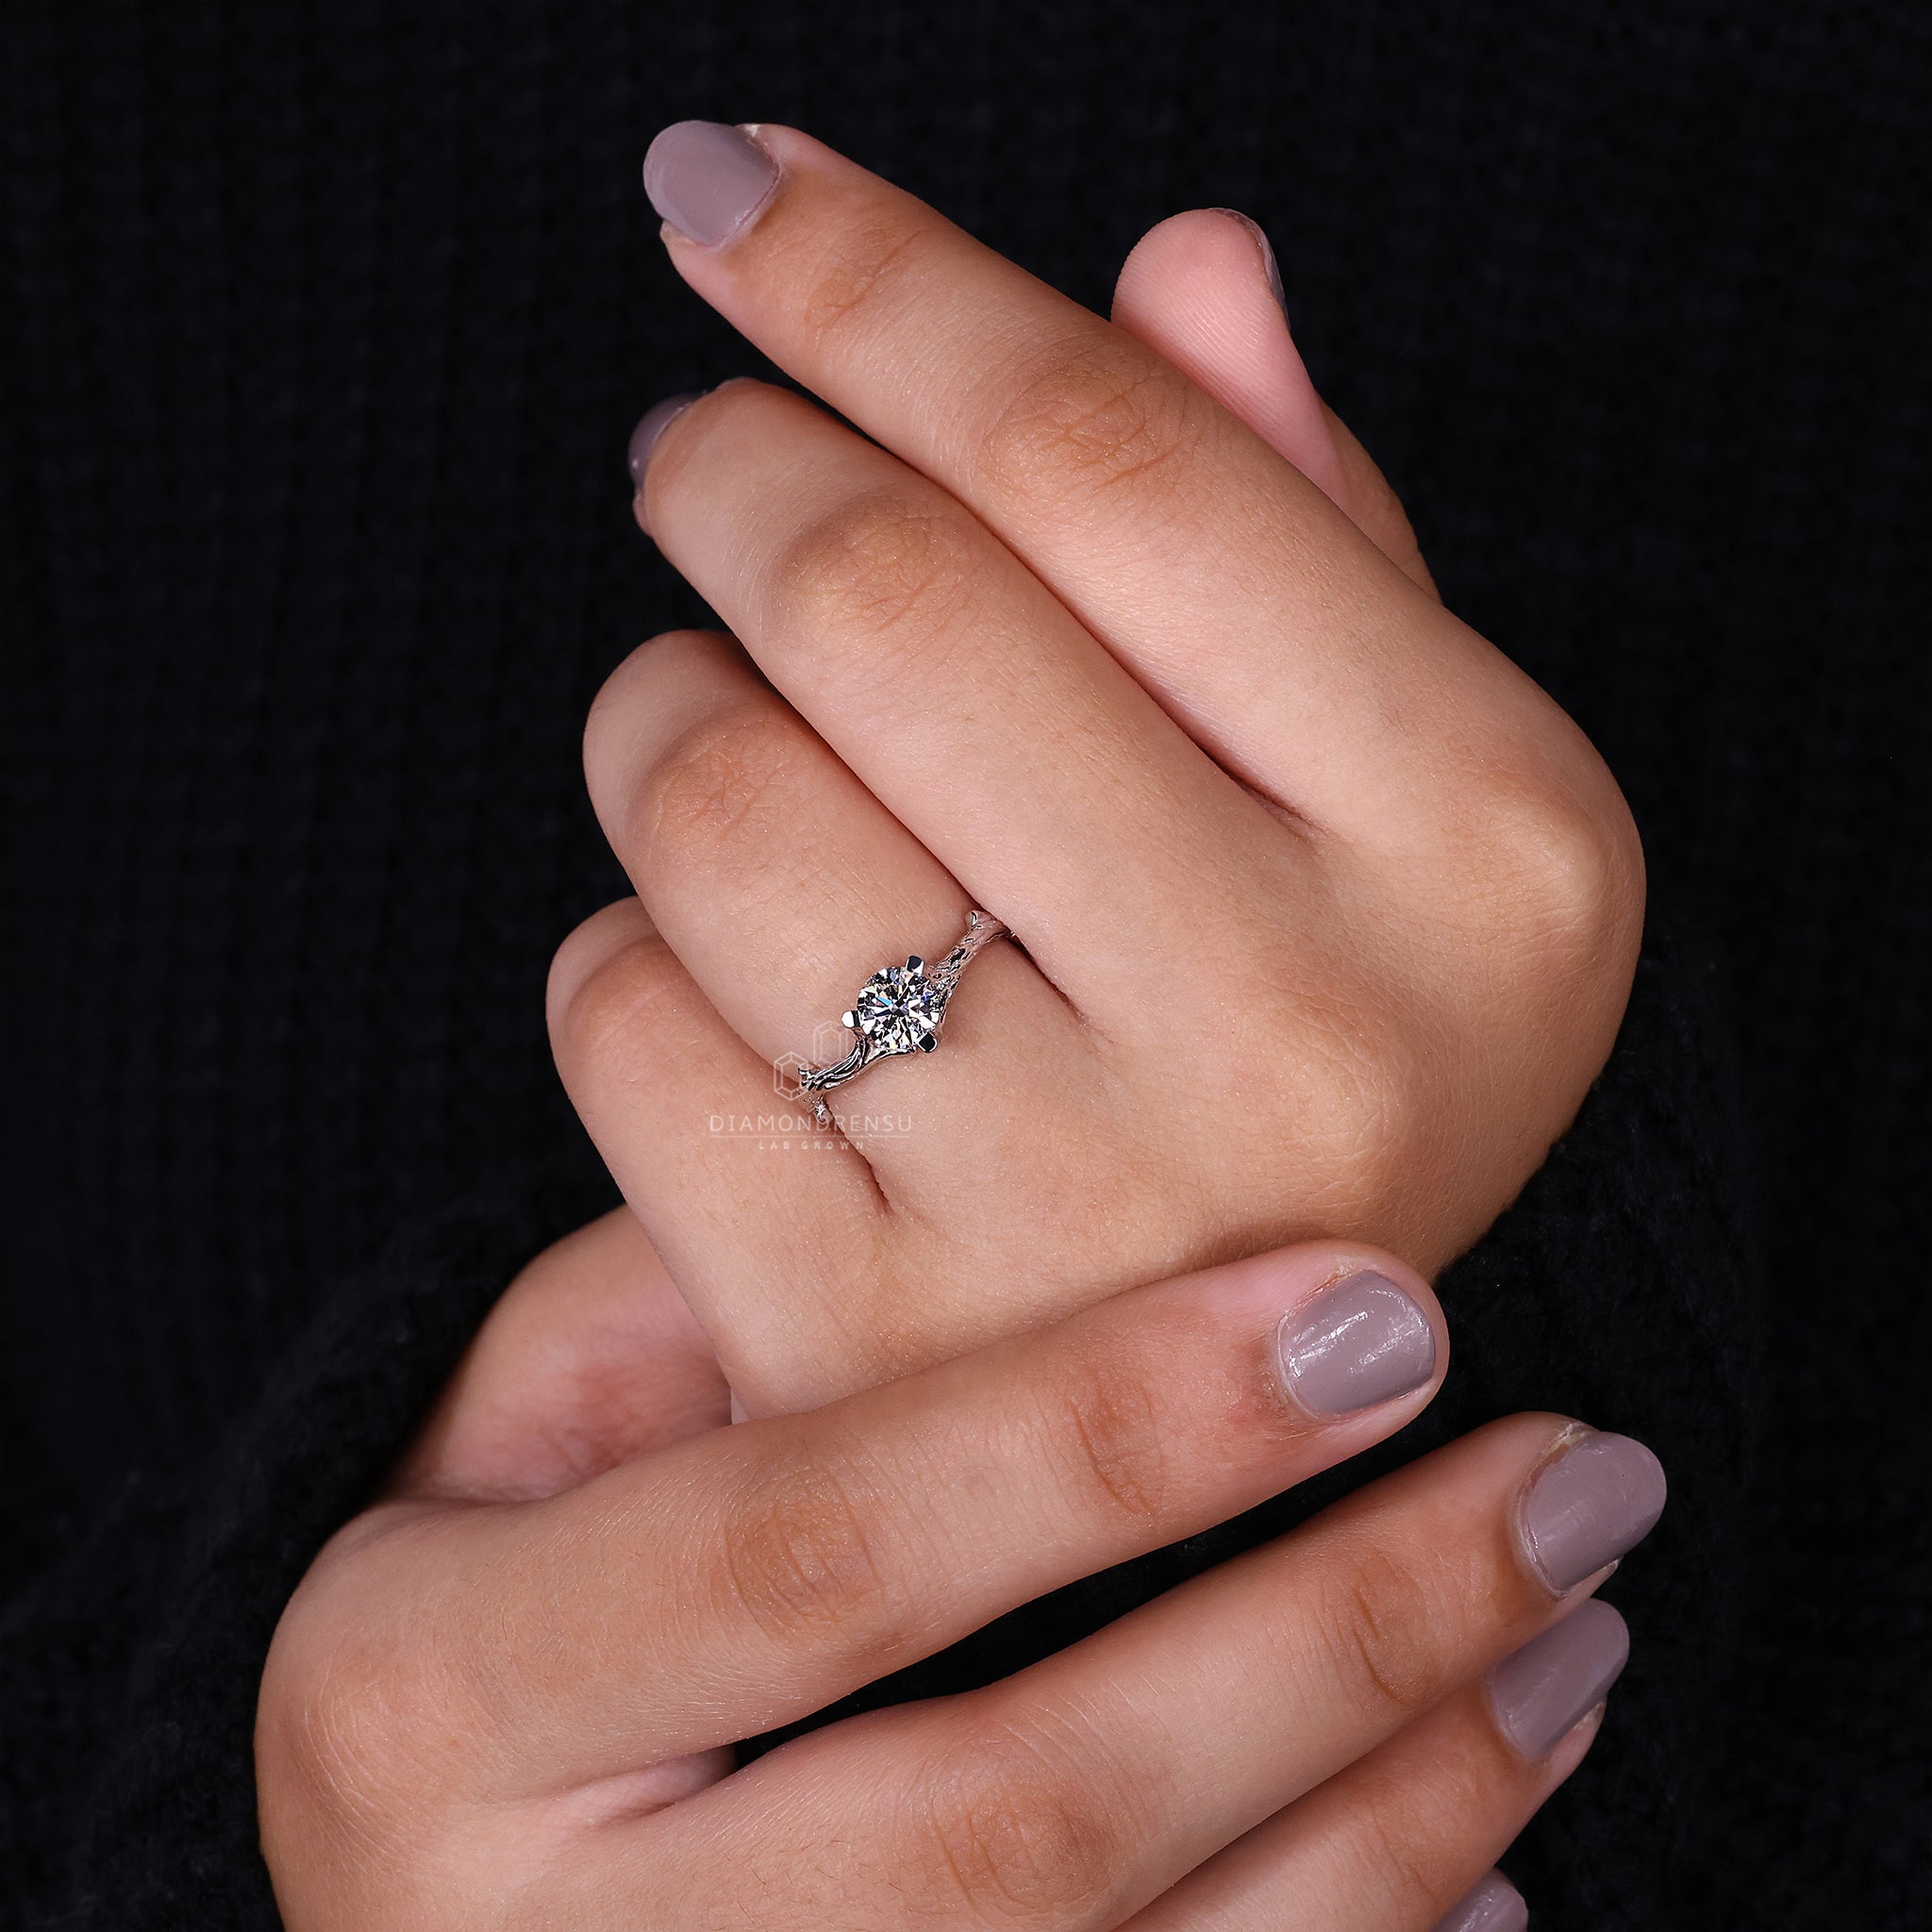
(899, 1009)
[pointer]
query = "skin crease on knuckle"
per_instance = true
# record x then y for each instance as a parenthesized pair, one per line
(723, 787)
(1080, 418)
(1107, 1433)
(855, 265)
(800, 1549)
(363, 1735)
(883, 578)
(624, 1012)
(1409, 1832)
(1013, 1828)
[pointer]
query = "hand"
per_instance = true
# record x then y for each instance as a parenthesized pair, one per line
(1328, 913)
(505, 1695)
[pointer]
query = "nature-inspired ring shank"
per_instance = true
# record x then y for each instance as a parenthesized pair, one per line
(899, 1009)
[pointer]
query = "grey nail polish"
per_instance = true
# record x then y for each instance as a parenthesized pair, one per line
(707, 179)
(1599, 1498)
(651, 426)
(1494, 1905)
(1554, 1680)
(1360, 1341)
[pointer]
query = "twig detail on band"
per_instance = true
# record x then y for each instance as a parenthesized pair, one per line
(899, 1009)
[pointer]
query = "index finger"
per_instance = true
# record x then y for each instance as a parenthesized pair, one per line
(1283, 640)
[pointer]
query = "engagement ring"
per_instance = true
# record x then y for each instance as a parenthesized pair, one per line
(899, 1009)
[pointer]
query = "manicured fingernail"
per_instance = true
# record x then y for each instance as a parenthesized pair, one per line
(1267, 253)
(1556, 1680)
(651, 426)
(708, 180)
(1600, 1497)
(1494, 1905)
(1360, 1341)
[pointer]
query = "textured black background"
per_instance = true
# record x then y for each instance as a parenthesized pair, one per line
(322, 330)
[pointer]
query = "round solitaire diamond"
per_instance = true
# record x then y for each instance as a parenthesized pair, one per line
(897, 1008)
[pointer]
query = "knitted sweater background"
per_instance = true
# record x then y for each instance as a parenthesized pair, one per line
(324, 328)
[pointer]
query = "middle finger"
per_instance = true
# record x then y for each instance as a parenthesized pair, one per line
(961, 692)
(1279, 635)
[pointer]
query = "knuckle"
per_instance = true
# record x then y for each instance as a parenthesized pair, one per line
(313, 1725)
(1409, 1855)
(859, 258)
(1003, 1835)
(884, 569)
(338, 1720)
(1356, 1119)
(1574, 870)
(728, 779)
(803, 1549)
(1354, 1066)
(1107, 1430)
(616, 1013)
(1383, 1633)
(1411, 1830)
(1089, 417)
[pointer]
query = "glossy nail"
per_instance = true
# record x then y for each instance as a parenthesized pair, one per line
(1360, 1341)
(708, 180)
(1494, 1905)
(1556, 1680)
(1597, 1499)
(651, 426)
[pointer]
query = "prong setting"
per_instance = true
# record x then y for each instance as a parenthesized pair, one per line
(899, 1009)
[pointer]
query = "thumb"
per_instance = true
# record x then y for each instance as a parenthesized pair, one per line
(1202, 290)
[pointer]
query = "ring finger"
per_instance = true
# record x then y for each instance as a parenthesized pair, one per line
(780, 882)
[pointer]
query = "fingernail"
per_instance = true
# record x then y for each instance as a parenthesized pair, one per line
(1268, 262)
(1494, 1905)
(1360, 1341)
(651, 426)
(1556, 1680)
(1600, 1497)
(708, 180)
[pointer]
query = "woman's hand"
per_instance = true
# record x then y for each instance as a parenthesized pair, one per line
(1328, 913)
(504, 1695)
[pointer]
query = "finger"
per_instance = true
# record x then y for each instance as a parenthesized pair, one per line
(590, 1358)
(1095, 1780)
(775, 1230)
(782, 883)
(754, 1576)
(731, 1180)
(1401, 1840)
(958, 692)
(1202, 290)
(1150, 512)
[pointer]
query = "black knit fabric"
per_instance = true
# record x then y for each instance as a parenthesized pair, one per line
(322, 328)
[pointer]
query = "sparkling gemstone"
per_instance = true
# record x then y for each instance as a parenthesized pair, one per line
(898, 1007)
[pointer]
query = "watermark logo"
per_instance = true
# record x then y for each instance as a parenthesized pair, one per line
(795, 1129)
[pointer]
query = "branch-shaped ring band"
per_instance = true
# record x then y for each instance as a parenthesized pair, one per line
(899, 1009)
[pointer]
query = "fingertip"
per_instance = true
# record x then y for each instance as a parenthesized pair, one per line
(1203, 290)
(1352, 1329)
(1371, 1335)
(1201, 248)
(1493, 1906)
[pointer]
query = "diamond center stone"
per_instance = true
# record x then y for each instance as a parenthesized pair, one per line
(898, 1007)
